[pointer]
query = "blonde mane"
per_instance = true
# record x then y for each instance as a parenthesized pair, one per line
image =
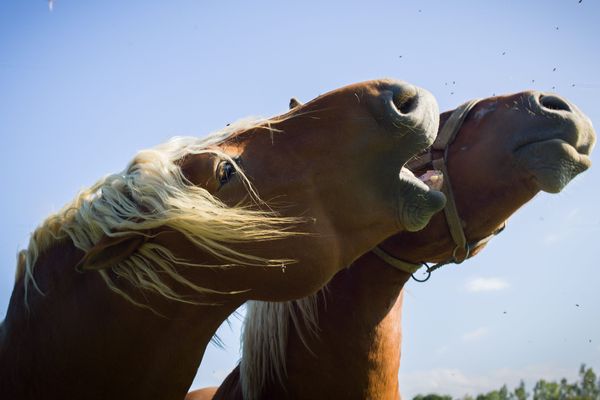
(151, 193)
(265, 336)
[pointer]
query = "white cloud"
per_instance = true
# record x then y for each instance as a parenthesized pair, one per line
(457, 383)
(476, 334)
(486, 284)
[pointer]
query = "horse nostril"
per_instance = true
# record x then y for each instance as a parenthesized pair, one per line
(406, 102)
(553, 102)
(405, 109)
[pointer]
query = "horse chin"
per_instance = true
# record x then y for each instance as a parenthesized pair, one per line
(418, 202)
(552, 163)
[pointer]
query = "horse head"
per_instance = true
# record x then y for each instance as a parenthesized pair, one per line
(326, 173)
(507, 149)
(264, 209)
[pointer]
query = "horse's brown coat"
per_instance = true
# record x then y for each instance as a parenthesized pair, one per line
(332, 162)
(356, 354)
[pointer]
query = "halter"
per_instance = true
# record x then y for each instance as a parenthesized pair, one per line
(442, 143)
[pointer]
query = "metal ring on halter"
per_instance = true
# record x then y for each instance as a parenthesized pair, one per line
(467, 250)
(426, 270)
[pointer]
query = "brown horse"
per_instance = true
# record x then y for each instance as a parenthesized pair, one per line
(500, 152)
(119, 293)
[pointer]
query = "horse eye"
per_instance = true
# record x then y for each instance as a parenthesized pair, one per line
(225, 171)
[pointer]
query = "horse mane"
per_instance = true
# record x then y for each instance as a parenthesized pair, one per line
(265, 336)
(152, 192)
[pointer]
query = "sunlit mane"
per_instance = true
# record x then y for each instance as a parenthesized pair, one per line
(150, 193)
(265, 337)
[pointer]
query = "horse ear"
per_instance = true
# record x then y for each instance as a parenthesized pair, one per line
(21, 261)
(294, 102)
(110, 251)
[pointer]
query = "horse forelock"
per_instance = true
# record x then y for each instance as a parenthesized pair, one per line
(152, 192)
(265, 337)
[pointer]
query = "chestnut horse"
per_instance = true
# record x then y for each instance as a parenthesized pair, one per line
(506, 150)
(119, 293)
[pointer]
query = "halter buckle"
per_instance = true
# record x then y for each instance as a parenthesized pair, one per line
(466, 248)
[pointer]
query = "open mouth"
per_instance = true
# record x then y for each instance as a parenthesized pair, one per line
(431, 180)
(434, 179)
(420, 198)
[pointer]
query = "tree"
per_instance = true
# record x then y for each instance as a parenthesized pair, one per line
(586, 388)
(501, 394)
(520, 393)
(590, 384)
(432, 396)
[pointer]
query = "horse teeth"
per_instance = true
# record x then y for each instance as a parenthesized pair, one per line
(433, 178)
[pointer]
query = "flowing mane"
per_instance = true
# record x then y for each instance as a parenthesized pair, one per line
(152, 192)
(265, 337)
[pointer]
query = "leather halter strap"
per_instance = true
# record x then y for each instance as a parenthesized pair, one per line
(442, 143)
(397, 263)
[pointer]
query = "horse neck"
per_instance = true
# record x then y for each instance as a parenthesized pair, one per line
(107, 347)
(358, 345)
(356, 351)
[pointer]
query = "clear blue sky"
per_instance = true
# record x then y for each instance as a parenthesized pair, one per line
(83, 87)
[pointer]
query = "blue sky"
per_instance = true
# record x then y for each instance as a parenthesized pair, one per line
(82, 88)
